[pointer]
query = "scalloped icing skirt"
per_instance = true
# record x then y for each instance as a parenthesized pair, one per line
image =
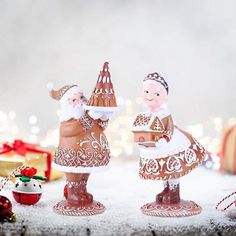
(71, 161)
(157, 166)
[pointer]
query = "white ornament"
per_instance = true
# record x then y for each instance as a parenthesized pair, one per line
(33, 186)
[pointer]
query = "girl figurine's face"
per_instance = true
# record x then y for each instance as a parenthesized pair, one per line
(154, 96)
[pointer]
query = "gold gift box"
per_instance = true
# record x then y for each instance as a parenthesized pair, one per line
(228, 150)
(11, 160)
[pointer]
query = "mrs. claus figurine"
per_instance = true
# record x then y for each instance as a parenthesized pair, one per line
(166, 152)
(83, 147)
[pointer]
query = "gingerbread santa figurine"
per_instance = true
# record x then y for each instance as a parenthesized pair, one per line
(83, 148)
(166, 152)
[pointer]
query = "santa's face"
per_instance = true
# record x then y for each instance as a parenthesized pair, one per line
(77, 99)
(73, 107)
(154, 96)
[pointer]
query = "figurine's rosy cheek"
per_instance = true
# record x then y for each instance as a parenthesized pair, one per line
(80, 98)
(147, 96)
(73, 101)
(70, 101)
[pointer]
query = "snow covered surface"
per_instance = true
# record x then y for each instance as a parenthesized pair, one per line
(123, 193)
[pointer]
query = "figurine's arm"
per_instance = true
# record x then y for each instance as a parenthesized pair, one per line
(168, 131)
(169, 128)
(100, 115)
(95, 115)
(100, 118)
(102, 123)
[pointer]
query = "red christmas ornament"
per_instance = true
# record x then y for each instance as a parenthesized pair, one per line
(26, 198)
(6, 213)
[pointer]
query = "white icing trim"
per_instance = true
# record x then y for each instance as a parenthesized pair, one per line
(164, 112)
(173, 183)
(71, 169)
(69, 93)
(102, 109)
(17, 191)
(145, 127)
(178, 143)
(165, 183)
(147, 142)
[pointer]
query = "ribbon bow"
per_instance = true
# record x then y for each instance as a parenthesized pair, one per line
(22, 148)
(17, 146)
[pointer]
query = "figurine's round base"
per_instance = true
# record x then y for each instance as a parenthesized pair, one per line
(182, 209)
(63, 208)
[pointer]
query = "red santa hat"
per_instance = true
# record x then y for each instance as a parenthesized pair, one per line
(63, 93)
(158, 79)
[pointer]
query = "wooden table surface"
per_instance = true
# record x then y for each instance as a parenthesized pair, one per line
(123, 193)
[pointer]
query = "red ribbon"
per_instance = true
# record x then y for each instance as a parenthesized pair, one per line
(22, 148)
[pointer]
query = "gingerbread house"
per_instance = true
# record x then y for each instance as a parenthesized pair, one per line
(147, 129)
(103, 94)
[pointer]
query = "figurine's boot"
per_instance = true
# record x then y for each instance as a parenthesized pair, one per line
(83, 190)
(66, 191)
(173, 195)
(160, 196)
(76, 192)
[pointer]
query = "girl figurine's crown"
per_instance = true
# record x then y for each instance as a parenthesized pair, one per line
(157, 78)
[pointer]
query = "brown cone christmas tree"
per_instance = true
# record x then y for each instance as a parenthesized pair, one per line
(103, 94)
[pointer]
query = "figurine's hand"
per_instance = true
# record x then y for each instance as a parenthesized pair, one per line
(161, 142)
(95, 114)
(106, 116)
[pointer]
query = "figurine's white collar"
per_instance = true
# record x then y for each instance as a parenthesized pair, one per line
(163, 112)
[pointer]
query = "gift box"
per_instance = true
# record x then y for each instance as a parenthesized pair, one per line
(228, 150)
(18, 153)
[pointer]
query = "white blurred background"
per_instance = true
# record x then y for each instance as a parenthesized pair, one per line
(191, 42)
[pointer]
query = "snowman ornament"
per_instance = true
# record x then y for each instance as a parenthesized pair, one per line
(28, 190)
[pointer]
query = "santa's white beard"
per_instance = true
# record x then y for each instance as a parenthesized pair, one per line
(69, 112)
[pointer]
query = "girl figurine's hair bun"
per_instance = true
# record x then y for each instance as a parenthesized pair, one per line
(157, 78)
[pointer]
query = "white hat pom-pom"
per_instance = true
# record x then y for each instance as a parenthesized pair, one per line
(50, 86)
